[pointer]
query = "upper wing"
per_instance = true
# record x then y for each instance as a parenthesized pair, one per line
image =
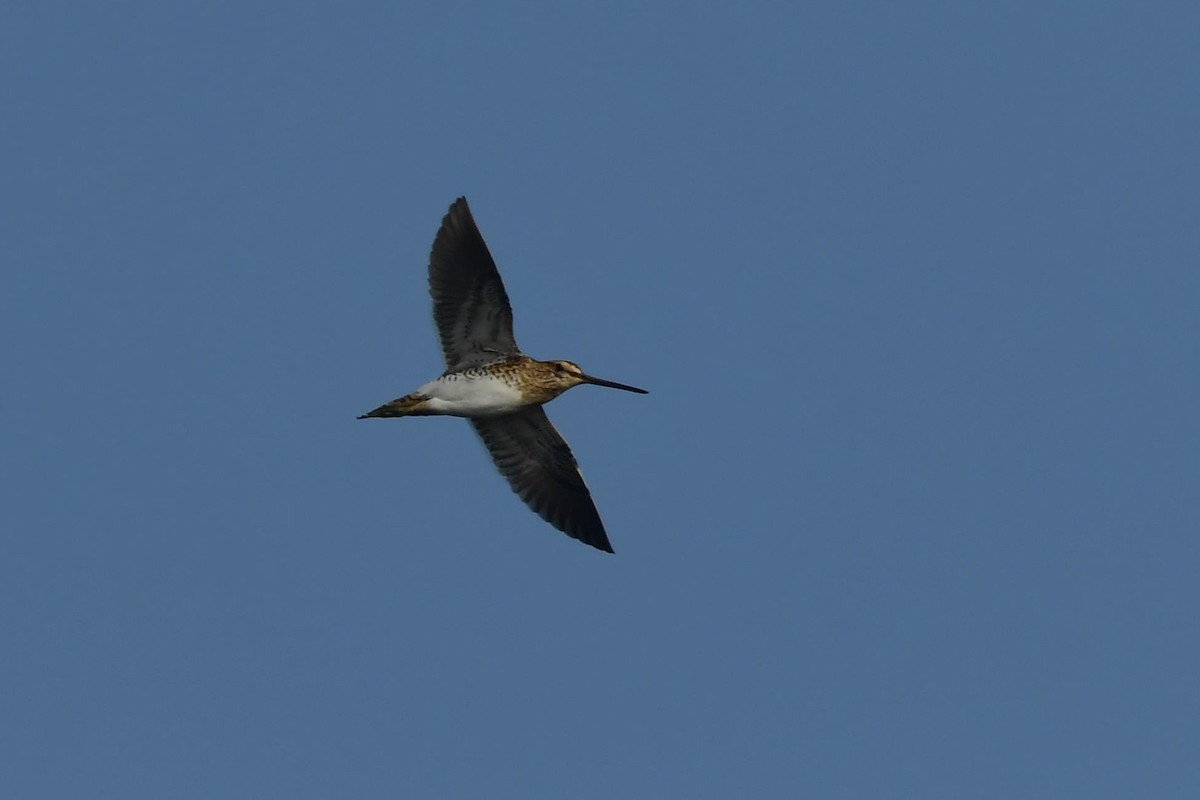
(470, 306)
(538, 464)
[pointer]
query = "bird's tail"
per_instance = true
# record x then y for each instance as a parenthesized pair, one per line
(410, 404)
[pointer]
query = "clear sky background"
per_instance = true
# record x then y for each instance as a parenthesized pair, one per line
(910, 511)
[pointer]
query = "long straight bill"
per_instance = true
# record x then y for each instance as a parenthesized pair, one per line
(612, 384)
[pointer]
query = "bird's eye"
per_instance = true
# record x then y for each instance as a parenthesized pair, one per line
(558, 367)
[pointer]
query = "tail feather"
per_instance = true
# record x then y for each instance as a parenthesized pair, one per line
(405, 406)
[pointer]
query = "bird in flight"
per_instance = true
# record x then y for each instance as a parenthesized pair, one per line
(498, 388)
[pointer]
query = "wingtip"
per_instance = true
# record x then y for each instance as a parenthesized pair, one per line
(455, 222)
(602, 544)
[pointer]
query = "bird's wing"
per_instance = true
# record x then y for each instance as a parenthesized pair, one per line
(539, 466)
(470, 306)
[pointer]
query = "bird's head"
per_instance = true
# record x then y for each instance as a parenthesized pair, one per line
(558, 376)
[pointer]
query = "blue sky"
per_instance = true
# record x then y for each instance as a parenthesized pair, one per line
(910, 511)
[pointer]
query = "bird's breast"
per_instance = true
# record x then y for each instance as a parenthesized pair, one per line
(464, 395)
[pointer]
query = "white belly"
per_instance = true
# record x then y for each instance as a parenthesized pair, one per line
(471, 396)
